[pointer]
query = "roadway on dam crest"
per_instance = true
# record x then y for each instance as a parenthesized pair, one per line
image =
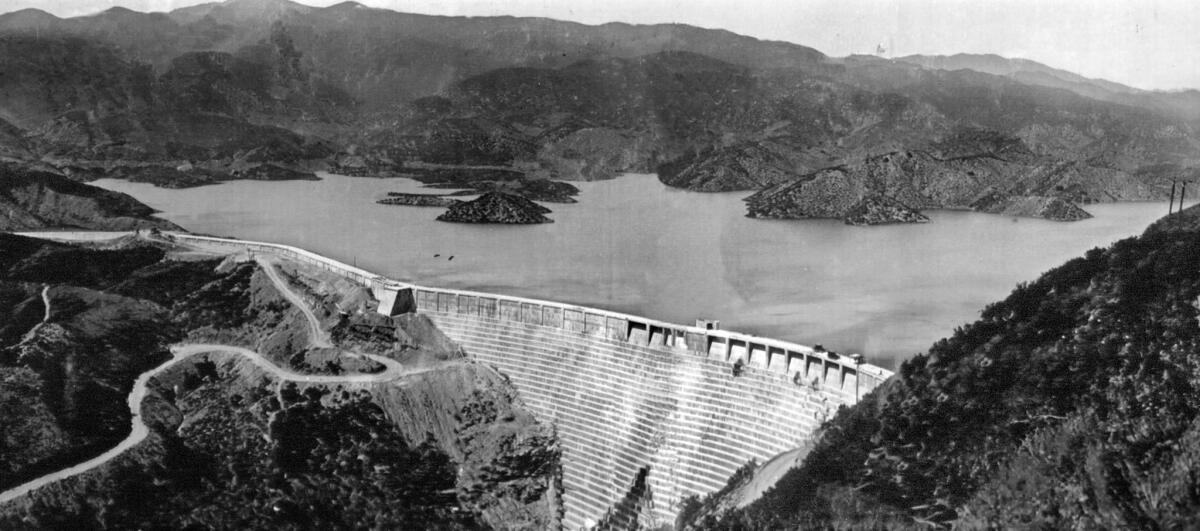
(138, 432)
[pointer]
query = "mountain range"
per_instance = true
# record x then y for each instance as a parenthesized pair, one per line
(272, 89)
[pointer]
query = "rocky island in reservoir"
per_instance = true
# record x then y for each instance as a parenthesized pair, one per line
(530, 188)
(533, 189)
(497, 207)
(432, 200)
(482, 181)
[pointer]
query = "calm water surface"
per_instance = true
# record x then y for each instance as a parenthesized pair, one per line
(634, 245)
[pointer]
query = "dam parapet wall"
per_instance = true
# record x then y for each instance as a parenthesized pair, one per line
(356, 274)
(828, 371)
(681, 406)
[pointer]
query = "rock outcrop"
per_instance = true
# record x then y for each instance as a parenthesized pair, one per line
(829, 193)
(1052, 208)
(507, 461)
(497, 207)
(881, 210)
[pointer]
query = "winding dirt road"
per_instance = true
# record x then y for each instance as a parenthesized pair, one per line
(138, 430)
(316, 335)
(45, 317)
(46, 302)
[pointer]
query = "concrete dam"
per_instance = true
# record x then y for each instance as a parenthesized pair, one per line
(675, 409)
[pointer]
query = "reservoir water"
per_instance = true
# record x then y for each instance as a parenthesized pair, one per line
(634, 245)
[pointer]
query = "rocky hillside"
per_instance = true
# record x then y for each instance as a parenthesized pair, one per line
(31, 200)
(91, 112)
(881, 210)
(392, 57)
(971, 169)
(1053, 208)
(68, 368)
(747, 166)
(1071, 404)
(449, 446)
(497, 207)
(275, 89)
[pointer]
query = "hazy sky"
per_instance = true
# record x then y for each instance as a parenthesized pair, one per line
(1147, 44)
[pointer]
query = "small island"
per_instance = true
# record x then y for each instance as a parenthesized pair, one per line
(497, 207)
(431, 200)
(534, 189)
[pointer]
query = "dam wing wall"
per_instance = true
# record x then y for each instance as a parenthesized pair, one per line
(686, 404)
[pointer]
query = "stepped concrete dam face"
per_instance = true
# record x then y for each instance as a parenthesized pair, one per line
(679, 408)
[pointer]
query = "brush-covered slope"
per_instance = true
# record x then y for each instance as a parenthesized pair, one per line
(89, 109)
(1073, 403)
(68, 368)
(210, 92)
(446, 446)
(31, 200)
(969, 169)
(387, 57)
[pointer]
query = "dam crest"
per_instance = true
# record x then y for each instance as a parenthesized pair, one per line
(675, 409)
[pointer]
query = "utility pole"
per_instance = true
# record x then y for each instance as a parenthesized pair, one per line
(1171, 204)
